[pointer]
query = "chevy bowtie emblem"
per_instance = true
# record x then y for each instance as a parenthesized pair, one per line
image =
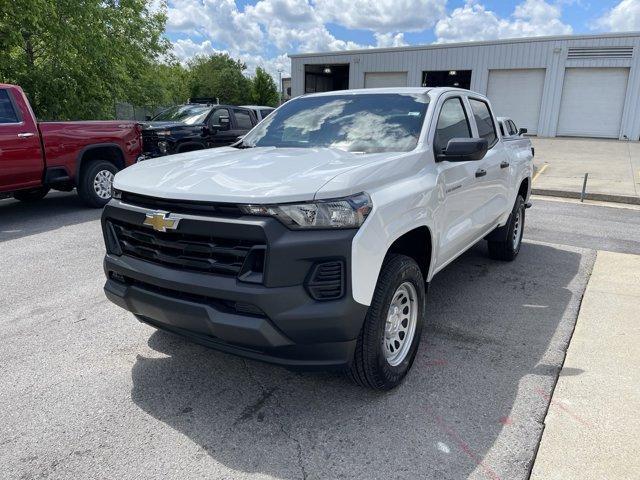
(161, 222)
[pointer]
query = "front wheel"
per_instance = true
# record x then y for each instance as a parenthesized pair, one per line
(390, 336)
(94, 186)
(508, 248)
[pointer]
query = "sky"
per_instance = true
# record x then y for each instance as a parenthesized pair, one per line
(263, 32)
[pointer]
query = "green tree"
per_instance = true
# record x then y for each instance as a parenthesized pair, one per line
(263, 89)
(75, 58)
(219, 76)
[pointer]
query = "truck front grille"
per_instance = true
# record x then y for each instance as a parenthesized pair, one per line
(149, 141)
(198, 253)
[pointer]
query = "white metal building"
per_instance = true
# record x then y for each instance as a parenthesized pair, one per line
(586, 86)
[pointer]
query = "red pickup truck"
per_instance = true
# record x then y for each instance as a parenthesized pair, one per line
(36, 157)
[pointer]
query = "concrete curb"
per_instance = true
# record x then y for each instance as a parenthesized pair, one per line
(603, 197)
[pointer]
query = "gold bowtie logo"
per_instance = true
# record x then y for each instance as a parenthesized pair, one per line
(160, 222)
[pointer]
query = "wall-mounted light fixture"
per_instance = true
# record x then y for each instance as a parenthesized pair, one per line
(327, 70)
(452, 72)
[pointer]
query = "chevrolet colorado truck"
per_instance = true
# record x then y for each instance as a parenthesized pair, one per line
(311, 242)
(38, 156)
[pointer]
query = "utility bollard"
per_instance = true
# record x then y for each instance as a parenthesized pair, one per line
(584, 186)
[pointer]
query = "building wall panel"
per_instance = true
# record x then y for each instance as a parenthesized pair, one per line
(480, 57)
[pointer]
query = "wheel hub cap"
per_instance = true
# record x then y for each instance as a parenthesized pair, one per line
(102, 184)
(517, 224)
(400, 325)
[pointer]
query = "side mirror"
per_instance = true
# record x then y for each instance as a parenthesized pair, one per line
(522, 131)
(148, 117)
(464, 149)
(223, 124)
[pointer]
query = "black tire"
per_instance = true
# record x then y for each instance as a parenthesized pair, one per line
(32, 195)
(507, 249)
(370, 367)
(95, 196)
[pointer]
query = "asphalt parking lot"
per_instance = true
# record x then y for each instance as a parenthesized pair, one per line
(88, 392)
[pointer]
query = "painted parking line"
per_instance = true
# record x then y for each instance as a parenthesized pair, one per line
(542, 169)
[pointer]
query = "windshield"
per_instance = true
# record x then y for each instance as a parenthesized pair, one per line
(189, 114)
(356, 123)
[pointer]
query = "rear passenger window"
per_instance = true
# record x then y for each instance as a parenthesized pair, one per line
(265, 113)
(452, 123)
(243, 119)
(484, 121)
(7, 112)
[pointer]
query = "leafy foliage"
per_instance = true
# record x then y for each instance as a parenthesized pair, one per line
(74, 58)
(263, 89)
(219, 76)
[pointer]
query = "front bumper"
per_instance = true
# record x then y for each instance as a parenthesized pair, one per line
(275, 320)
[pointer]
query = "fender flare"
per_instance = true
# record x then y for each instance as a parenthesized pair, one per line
(80, 160)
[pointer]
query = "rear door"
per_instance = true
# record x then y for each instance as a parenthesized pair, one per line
(21, 162)
(244, 120)
(492, 175)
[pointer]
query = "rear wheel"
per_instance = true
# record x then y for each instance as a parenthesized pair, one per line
(32, 195)
(509, 248)
(94, 187)
(390, 336)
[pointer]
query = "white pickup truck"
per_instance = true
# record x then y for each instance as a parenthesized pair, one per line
(311, 242)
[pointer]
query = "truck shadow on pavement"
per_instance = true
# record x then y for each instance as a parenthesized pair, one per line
(56, 210)
(471, 407)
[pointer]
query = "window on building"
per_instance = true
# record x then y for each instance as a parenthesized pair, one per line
(447, 78)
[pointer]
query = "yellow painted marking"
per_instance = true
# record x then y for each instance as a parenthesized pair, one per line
(544, 167)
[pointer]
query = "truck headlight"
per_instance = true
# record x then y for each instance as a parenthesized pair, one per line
(347, 212)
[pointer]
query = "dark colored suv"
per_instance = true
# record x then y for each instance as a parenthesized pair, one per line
(195, 126)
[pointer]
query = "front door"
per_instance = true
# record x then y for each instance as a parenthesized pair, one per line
(21, 163)
(462, 200)
(221, 128)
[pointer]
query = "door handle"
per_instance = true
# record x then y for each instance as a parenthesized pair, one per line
(504, 164)
(26, 135)
(481, 172)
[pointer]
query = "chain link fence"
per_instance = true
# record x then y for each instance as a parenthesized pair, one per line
(127, 111)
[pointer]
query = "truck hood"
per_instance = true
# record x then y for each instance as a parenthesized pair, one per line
(253, 175)
(166, 125)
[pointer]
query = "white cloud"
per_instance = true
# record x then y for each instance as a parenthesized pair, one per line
(185, 49)
(474, 22)
(623, 17)
(382, 16)
(384, 40)
(216, 20)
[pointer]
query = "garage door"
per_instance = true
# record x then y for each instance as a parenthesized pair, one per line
(517, 94)
(385, 79)
(592, 102)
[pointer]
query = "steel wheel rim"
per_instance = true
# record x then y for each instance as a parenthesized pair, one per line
(102, 184)
(400, 325)
(517, 229)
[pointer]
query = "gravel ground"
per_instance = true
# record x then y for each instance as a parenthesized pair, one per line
(88, 392)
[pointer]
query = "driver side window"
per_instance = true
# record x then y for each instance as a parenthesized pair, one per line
(452, 123)
(215, 118)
